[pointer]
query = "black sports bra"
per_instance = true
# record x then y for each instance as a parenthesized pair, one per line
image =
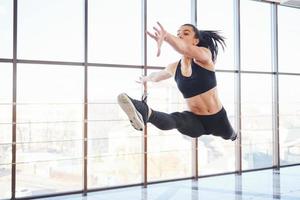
(200, 81)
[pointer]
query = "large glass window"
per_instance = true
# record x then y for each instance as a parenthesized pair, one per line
(115, 147)
(288, 39)
(217, 155)
(218, 15)
(115, 31)
(169, 152)
(5, 129)
(51, 30)
(289, 112)
(171, 19)
(6, 28)
(255, 36)
(49, 129)
(256, 121)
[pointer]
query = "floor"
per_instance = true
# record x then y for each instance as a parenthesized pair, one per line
(259, 185)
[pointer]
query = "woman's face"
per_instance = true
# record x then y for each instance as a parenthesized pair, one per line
(187, 34)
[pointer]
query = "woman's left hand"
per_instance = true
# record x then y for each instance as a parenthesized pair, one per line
(158, 36)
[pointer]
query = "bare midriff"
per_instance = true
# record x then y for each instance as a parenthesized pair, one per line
(207, 103)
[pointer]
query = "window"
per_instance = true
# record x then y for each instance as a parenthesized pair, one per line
(288, 39)
(217, 155)
(5, 129)
(256, 116)
(218, 15)
(6, 28)
(49, 129)
(169, 152)
(255, 36)
(115, 147)
(171, 20)
(289, 123)
(115, 32)
(51, 30)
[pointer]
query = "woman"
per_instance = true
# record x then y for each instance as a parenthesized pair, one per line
(195, 77)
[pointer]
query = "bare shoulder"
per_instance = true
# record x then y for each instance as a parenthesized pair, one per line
(171, 68)
(208, 63)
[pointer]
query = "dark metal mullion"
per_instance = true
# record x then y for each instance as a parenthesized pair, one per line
(144, 60)
(194, 141)
(85, 120)
(237, 90)
(275, 89)
(14, 103)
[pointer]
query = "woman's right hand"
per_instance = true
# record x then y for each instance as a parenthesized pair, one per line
(142, 79)
(159, 36)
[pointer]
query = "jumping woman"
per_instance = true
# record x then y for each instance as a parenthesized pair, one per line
(195, 76)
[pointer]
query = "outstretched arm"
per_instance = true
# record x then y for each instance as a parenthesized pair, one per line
(201, 54)
(164, 74)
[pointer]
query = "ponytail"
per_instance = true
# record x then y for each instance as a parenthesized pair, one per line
(210, 40)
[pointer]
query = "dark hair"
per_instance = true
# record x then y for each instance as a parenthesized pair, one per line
(209, 39)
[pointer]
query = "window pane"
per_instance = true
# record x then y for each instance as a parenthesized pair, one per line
(217, 155)
(289, 117)
(5, 128)
(261, 182)
(171, 19)
(169, 152)
(288, 39)
(256, 121)
(218, 15)
(49, 129)
(6, 28)
(51, 30)
(5, 102)
(255, 36)
(115, 147)
(48, 177)
(115, 31)
(5, 171)
(50, 84)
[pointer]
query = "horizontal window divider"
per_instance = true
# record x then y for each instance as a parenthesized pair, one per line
(5, 164)
(5, 104)
(49, 141)
(26, 61)
(247, 143)
(47, 62)
(115, 65)
(251, 116)
(114, 155)
(169, 151)
(294, 128)
(256, 129)
(289, 115)
(49, 122)
(138, 153)
(43, 161)
(4, 60)
(5, 143)
(134, 137)
(5, 123)
(44, 103)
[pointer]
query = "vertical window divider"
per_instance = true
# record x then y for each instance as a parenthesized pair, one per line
(275, 85)
(14, 103)
(144, 65)
(195, 174)
(85, 120)
(237, 89)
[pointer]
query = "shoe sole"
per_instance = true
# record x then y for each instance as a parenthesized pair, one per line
(133, 115)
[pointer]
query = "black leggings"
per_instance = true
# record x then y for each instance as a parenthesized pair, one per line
(194, 125)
